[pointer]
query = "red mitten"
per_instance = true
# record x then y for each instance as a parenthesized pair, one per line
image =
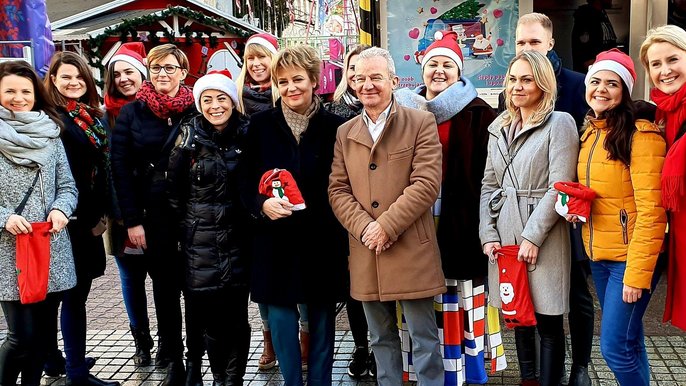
(574, 198)
(280, 183)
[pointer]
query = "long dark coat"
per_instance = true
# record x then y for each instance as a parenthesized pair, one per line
(458, 231)
(301, 258)
(88, 167)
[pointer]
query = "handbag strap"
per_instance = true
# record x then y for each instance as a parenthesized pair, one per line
(22, 204)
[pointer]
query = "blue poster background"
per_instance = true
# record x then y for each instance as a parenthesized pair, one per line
(27, 20)
(486, 28)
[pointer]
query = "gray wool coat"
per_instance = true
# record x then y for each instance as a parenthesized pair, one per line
(60, 193)
(518, 202)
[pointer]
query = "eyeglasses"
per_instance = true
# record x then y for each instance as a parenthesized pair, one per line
(376, 79)
(168, 68)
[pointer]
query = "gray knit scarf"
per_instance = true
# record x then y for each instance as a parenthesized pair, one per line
(297, 122)
(25, 136)
(445, 105)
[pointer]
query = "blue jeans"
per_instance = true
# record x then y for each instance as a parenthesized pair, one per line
(621, 330)
(132, 274)
(264, 315)
(283, 322)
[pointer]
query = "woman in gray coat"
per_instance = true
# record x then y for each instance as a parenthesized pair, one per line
(530, 148)
(31, 150)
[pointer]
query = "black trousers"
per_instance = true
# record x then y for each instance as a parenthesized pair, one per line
(28, 336)
(552, 356)
(581, 309)
(165, 267)
(203, 316)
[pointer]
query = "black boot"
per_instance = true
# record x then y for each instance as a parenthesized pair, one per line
(176, 374)
(55, 364)
(219, 360)
(194, 372)
(579, 376)
(238, 352)
(144, 343)
(163, 356)
(525, 341)
(90, 380)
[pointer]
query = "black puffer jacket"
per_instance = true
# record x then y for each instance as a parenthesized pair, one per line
(203, 192)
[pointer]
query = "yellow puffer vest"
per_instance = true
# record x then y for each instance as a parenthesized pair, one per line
(627, 221)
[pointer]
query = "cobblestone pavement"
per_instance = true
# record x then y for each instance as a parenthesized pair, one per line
(110, 341)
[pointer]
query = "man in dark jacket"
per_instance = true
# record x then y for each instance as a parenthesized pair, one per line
(592, 33)
(535, 32)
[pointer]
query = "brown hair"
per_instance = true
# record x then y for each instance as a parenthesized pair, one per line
(43, 102)
(162, 51)
(90, 98)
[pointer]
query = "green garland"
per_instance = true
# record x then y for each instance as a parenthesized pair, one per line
(127, 31)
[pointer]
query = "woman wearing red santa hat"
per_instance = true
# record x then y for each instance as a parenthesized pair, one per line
(663, 55)
(203, 192)
(531, 146)
(142, 139)
(621, 160)
(297, 135)
(125, 74)
(256, 91)
(463, 120)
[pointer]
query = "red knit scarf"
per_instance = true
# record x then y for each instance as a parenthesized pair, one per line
(671, 111)
(114, 104)
(81, 114)
(162, 105)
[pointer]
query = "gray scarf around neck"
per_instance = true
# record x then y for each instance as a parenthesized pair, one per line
(445, 105)
(25, 137)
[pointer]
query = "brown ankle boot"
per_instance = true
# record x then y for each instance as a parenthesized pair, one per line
(268, 357)
(304, 347)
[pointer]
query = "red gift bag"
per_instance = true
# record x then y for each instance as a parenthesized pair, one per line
(517, 307)
(33, 263)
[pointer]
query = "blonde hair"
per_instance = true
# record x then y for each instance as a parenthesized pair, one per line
(544, 76)
(671, 34)
(342, 87)
(298, 56)
(253, 49)
(535, 17)
(162, 51)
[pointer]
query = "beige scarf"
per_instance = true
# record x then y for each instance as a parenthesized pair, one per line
(298, 123)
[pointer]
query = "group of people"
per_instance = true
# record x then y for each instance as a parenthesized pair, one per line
(402, 198)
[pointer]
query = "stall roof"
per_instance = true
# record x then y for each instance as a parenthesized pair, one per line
(93, 21)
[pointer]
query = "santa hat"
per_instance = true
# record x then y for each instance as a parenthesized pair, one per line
(445, 45)
(290, 190)
(265, 40)
(132, 53)
(616, 61)
(574, 198)
(215, 80)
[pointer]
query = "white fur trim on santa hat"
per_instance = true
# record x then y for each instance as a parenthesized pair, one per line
(263, 42)
(215, 81)
(132, 61)
(442, 51)
(613, 66)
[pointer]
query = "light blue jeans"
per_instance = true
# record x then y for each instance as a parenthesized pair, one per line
(621, 330)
